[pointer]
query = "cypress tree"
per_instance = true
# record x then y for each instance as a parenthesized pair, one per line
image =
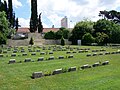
(10, 13)
(40, 26)
(34, 19)
(6, 8)
(16, 24)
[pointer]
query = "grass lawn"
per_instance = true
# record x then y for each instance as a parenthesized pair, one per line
(18, 76)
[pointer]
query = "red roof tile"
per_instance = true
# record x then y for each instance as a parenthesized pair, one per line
(26, 30)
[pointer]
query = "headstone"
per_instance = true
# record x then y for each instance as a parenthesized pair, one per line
(57, 71)
(4, 51)
(27, 60)
(50, 52)
(72, 69)
(105, 63)
(40, 58)
(85, 66)
(38, 50)
(61, 57)
(33, 54)
(24, 54)
(68, 52)
(96, 64)
(42, 53)
(13, 55)
(71, 56)
(94, 54)
(37, 75)
(88, 55)
(1, 55)
(51, 58)
(11, 61)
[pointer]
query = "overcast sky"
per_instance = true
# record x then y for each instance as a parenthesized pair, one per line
(54, 10)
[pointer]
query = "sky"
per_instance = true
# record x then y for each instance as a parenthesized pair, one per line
(54, 10)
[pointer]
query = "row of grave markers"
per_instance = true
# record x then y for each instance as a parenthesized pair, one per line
(101, 53)
(12, 61)
(61, 70)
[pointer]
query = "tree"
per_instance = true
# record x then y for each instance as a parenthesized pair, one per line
(49, 35)
(16, 26)
(111, 15)
(103, 25)
(10, 13)
(62, 32)
(101, 38)
(40, 26)
(62, 41)
(31, 41)
(87, 39)
(34, 16)
(4, 30)
(80, 29)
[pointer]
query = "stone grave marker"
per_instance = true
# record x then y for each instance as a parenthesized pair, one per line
(57, 71)
(37, 74)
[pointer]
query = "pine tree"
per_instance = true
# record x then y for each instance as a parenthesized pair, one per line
(40, 26)
(34, 19)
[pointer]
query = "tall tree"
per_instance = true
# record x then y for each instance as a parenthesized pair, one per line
(16, 24)
(10, 13)
(34, 19)
(4, 31)
(40, 26)
(111, 15)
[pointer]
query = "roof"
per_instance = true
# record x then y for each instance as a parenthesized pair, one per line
(23, 30)
(26, 30)
(50, 29)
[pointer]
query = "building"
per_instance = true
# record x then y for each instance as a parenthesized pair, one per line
(64, 22)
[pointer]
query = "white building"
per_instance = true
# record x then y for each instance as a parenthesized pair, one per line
(64, 22)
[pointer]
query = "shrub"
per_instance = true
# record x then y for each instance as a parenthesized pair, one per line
(62, 41)
(31, 41)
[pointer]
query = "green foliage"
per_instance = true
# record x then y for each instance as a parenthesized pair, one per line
(111, 15)
(3, 39)
(40, 27)
(31, 41)
(62, 41)
(49, 35)
(62, 32)
(87, 39)
(4, 31)
(101, 38)
(34, 16)
(104, 26)
(80, 29)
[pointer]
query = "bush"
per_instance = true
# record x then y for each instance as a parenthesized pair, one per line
(50, 35)
(88, 39)
(62, 41)
(31, 41)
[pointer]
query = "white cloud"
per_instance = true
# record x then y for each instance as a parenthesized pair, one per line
(24, 22)
(75, 10)
(17, 3)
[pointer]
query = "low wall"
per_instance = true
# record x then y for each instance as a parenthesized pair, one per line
(58, 42)
(25, 42)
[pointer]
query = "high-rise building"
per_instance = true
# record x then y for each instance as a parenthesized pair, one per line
(64, 22)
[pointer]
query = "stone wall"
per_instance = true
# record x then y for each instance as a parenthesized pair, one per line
(58, 42)
(38, 40)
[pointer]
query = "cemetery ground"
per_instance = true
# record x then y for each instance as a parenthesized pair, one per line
(17, 76)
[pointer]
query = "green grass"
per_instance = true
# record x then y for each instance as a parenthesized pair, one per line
(18, 76)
